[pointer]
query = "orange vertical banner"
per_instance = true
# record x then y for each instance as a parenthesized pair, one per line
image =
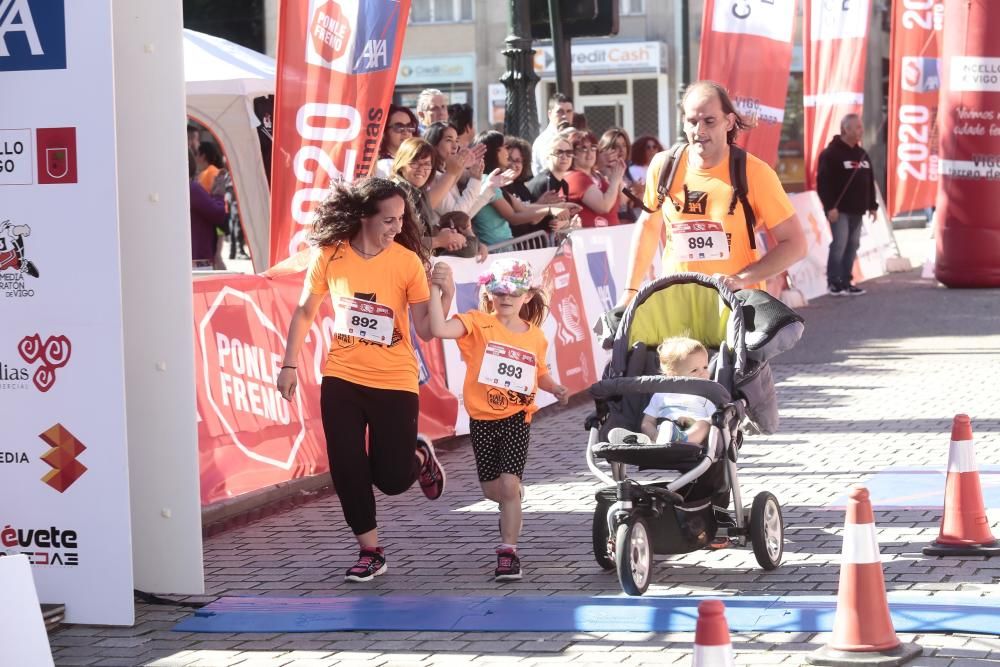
(836, 36)
(747, 47)
(914, 85)
(337, 62)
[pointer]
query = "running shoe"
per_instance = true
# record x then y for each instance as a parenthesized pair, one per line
(508, 566)
(854, 290)
(431, 473)
(836, 290)
(371, 563)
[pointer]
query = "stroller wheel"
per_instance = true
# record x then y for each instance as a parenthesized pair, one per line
(634, 556)
(767, 530)
(604, 548)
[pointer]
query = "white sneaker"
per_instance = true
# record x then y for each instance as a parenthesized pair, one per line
(623, 436)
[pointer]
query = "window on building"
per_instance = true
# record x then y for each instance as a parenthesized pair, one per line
(626, 7)
(440, 11)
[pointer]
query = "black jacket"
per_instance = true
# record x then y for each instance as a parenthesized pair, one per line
(837, 163)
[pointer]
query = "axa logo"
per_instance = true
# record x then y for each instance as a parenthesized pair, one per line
(346, 39)
(62, 457)
(32, 35)
(49, 356)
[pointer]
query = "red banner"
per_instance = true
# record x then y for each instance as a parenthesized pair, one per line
(914, 84)
(833, 79)
(572, 343)
(337, 62)
(248, 436)
(968, 229)
(747, 47)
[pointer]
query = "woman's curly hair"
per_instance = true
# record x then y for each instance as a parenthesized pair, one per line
(338, 217)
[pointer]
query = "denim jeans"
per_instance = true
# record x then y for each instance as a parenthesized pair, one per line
(843, 249)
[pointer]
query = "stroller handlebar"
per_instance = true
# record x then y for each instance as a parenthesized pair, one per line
(653, 384)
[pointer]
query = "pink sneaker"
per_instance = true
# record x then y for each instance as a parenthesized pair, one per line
(431, 473)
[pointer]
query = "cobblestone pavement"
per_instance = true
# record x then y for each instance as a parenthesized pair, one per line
(875, 382)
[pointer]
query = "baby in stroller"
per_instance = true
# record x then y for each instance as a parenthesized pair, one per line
(679, 417)
(632, 520)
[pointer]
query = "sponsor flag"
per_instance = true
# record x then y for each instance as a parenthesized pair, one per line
(834, 71)
(914, 84)
(747, 47)
(337, 62)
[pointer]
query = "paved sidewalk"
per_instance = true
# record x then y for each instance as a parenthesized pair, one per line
(874, 383)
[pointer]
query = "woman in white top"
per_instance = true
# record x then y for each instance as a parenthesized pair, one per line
(472, 194)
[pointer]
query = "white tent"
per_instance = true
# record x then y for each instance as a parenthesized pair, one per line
(222, 80)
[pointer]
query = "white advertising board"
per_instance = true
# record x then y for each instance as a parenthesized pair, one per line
(64, 497)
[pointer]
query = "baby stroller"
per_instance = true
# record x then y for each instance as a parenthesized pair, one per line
(632, 520)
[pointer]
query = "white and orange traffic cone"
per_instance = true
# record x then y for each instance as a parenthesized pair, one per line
(862, 627)
(965, 528)
(712, 647)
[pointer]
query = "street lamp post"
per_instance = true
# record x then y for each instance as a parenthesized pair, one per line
(684, 70)
(520, 117)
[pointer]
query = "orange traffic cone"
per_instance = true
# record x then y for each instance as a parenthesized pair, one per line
(965, 529)
(862, 627)
(712, 647)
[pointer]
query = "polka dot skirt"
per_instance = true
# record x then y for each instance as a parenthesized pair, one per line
(500, 445)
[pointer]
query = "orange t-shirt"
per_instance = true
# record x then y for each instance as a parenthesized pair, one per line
(393, 279)
(708, 196)
(484, 401)
(207, 177)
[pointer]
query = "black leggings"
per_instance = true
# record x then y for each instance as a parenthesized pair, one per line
(390, 462)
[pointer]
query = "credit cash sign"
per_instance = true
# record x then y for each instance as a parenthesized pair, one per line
(333, 43)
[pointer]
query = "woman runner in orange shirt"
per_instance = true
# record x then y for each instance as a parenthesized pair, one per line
(370, 261)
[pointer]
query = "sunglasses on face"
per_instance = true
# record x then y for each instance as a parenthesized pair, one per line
(399, 127)
(562, 153)
(586, 149)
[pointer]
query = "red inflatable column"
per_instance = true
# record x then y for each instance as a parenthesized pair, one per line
(968, 233)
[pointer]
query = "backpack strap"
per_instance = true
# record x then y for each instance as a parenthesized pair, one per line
(738, 177)
(668, 171)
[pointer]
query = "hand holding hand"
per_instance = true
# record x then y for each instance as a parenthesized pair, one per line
(442, 277)
(561, 393)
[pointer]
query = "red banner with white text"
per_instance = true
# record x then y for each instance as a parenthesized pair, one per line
(914, 85)
(833, 77)
(336, 69)
(248, 436)
(747, 47)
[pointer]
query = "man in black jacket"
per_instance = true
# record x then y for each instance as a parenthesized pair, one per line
(846, 186)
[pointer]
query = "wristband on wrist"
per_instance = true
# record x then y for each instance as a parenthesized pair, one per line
(292, 367)
(631, 289)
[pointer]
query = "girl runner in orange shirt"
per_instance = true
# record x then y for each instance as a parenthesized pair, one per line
(371, 263)
(504, 352)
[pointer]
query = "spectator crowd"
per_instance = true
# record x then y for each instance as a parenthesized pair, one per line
(473, 193)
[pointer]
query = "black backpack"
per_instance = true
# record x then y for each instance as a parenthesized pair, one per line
(737, 176)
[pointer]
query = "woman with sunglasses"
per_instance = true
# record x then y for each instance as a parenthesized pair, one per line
(401, 125)
(598, 193)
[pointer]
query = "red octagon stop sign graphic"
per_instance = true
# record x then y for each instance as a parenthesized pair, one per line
(241, 351)
(329, 31)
